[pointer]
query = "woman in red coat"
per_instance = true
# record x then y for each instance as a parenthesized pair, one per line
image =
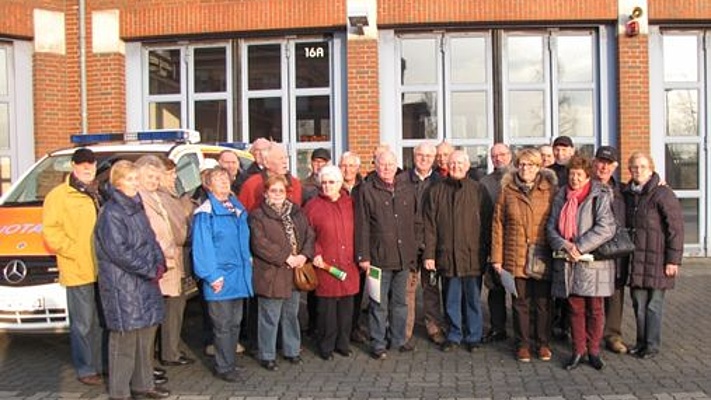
(331, 216)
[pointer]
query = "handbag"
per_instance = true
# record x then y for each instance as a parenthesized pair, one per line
(538, 259)
(305, 278)
(188, 286)
(619, 246)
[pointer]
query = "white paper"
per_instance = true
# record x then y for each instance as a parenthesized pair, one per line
(508, 282)
(375, 276)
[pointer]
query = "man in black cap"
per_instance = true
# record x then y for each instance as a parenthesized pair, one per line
(319, 158)
(604, 166)
(563, 150)
(68, 219)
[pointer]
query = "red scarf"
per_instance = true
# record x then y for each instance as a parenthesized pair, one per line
(568, 221)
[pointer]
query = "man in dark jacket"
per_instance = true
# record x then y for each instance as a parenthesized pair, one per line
(501, 159)
(259, 149)
(385, 238)
(421, 177)
(457, 246)
(604, 166)
(655, 216)
(563, 151)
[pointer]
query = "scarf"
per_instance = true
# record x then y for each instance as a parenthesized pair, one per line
(525, 187)
(568, 221)
(284, 213)
(91, 190)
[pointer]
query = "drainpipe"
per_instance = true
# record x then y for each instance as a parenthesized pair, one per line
(82, 66)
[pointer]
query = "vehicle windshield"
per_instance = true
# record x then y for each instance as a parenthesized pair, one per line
(53, 170)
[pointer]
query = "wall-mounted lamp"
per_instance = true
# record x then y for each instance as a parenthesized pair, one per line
(632, 25)
(358, 22)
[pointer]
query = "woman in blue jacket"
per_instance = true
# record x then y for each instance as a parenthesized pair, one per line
(130, 264)
(222, 260)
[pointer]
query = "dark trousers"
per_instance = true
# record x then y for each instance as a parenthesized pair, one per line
(587, 319)
(496, 300)
(648, 307)
(226, 318)
(131, 361)
(334, 323)
(85, 332)
(358, 321)
(532, 306)
(432, 303)
(171, 328)
(613, 315)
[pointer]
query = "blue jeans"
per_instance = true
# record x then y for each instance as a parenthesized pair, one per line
(464, 292)
(226, 317)
(85, 333)
(274, 314)
(393, 287)
(648, 305)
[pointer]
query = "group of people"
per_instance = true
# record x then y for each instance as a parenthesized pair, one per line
(441, 226)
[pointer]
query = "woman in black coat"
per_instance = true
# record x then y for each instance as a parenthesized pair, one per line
(654, 214)
(130, 264)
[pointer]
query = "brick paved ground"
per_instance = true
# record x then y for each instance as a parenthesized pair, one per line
(38, 367)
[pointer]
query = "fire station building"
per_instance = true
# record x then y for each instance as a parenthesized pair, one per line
(350, 74)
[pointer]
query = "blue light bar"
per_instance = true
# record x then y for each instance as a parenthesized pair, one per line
(166, 136)
(233, 145)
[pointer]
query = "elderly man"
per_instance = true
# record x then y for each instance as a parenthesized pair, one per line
(319, 158)
(501, 159)
(457, 214)
(259, 149)
(604, 166)
(228, 160)
(385, 237)
(421, 177)
(350, 168)
(68, 220)
(563, 151)
(444, 149)
(275, 163)
(547, 157)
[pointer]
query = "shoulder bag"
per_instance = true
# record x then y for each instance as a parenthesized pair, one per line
(305, 278)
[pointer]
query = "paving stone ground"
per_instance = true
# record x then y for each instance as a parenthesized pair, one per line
(38, 367)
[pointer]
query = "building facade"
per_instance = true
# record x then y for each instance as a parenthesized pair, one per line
(350, 74)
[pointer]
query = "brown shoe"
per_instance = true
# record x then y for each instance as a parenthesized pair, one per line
(523, 354)
(91, 380)
(544, 353)
(438, 338)
(616, 346)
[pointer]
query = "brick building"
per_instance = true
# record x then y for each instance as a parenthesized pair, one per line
(349, 74)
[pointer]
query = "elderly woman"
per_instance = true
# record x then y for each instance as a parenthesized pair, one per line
(581, 220)
(131, 263)
(222, 260)
(150, 173)
(281, 240)
(519, 223)
(331, 217)
(654, 213)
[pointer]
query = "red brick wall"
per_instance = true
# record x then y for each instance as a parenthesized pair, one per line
(152, 18)
(633, 95)
(668, 10)
(16, 18)
(363, 98)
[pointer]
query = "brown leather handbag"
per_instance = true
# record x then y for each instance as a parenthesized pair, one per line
(305, 278)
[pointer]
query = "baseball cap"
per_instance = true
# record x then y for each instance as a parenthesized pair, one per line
(321, 153)
(606, 153)
(564, 141)
(83, 155)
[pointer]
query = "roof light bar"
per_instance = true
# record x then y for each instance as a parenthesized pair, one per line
(162, 135)
(233, 145)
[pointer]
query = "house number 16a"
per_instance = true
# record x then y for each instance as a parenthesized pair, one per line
(313, 52)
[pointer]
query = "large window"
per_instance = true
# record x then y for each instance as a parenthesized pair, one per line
(288, 96)
(679, 109)
(190, 87)
(523, 88)
(5, 121)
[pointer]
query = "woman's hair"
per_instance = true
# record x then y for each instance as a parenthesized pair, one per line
(150, 160)
(212, 173)
(529, 154)
(168, 164)
(273, 179)
(331, 171)
(581, 162)
(120, 170)
(639, 154)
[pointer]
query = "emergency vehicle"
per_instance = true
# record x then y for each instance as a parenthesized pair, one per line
(31, 299)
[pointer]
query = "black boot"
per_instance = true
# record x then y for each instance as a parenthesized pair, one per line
(574, 362)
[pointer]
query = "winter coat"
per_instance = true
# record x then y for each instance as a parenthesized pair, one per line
(68, 219)
(457, 215)
(385, 225)
(129, 257)
(270, 247)
(332, 222)
(420, 186)
(252, 192)
(520, 219)
(618, 210)
(157, 213)
(596, 225)
(220, 241)
(657, 221)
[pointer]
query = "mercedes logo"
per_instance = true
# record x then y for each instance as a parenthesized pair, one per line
(15, 271)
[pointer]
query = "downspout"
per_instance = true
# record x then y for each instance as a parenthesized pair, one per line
(82, 66)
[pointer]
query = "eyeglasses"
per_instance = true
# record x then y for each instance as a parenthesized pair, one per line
(527, 165)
